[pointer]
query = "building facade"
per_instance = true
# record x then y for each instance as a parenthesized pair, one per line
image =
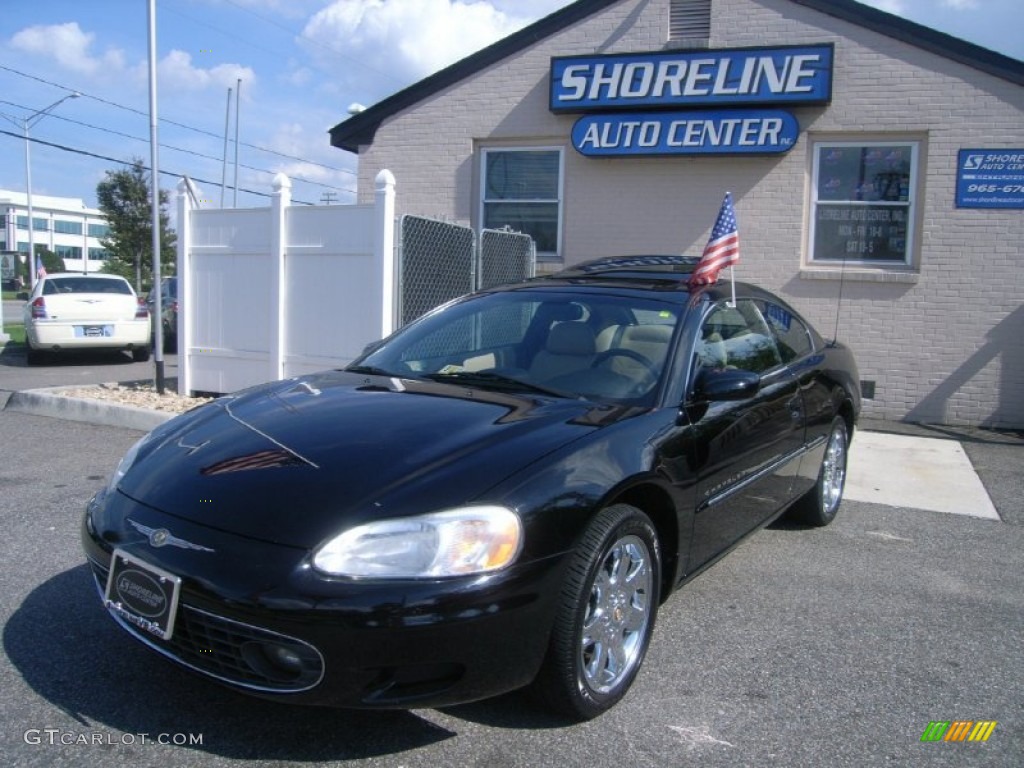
(876, 167)
(63, 225)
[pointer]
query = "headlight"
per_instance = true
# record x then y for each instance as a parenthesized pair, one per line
(455, 542)
(126, 463)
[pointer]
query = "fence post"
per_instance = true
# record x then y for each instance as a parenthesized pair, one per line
(384, 199)
(279, 202)
(185, 293)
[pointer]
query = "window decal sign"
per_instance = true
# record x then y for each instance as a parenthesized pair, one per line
(721, 132)
(680, 79)
(990, 178)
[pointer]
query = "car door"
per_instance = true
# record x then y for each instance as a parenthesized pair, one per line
(747, 450)
(797, 347)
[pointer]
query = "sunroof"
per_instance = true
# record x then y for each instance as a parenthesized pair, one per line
(670, 263)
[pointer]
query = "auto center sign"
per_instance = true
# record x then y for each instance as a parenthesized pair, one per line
(990, 178)
(748, 77)
(722, 132)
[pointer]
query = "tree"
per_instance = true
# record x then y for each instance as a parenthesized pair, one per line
(51, 262)
(125, 200)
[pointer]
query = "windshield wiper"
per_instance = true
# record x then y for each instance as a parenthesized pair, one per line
(371, 370)
(496, 380)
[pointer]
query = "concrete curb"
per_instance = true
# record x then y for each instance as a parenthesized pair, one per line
(49, 402)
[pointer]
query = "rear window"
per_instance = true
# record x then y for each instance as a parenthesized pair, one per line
(58, 285)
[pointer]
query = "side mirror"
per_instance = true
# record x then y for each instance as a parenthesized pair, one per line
(717, 385)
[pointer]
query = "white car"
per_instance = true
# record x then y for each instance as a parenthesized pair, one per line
(71, 311)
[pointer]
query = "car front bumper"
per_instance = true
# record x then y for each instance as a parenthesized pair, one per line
(366, 645)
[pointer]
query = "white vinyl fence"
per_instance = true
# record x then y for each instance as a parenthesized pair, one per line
(269, 293)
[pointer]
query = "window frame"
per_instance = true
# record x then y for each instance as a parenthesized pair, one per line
(68, 251)
(38, 224)
(559, 202)
(67, 227)
(818, 145)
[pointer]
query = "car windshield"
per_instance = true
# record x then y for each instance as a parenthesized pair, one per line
(593, 345)
(57, 285)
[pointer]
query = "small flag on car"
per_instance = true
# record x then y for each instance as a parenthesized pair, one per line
(40, 269)
(723, 248)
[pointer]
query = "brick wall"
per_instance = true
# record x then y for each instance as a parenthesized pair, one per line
(944, 343)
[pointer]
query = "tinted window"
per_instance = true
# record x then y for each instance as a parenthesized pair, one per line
(790, 333)
(737, 337)
(56, 285)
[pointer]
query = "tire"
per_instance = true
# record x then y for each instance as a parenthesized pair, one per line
(819, 506)
(140, 354)
(610, 593)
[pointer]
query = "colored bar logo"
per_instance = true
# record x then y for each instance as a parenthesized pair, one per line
(958, 730)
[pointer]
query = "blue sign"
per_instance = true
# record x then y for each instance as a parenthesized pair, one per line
(721, 132)
(990, 178)
(782, 75)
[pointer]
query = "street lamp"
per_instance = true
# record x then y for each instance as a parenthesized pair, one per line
(27, 123)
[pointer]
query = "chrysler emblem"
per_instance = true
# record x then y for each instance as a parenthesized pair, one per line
(161, 537)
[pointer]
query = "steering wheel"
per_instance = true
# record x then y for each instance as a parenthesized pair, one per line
(651, 371)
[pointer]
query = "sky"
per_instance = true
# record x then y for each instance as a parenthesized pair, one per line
(302, 63)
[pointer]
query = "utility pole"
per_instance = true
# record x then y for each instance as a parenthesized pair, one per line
(328, 198)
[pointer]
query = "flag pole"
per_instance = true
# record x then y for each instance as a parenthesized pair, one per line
(732, 279)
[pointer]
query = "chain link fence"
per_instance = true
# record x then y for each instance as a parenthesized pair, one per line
(440, 261)
(437, 263)
(506, 257)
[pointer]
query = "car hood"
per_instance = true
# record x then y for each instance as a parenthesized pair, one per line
(297, 461)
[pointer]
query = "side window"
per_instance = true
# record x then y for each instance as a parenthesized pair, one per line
(790, 333)
(737, 337)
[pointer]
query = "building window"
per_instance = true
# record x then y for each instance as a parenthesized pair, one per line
(98, 254)
(689, 20)
(67, 227)
(68, 251)
(23, 247)
(98, 230)
(39, 225)
(522, 189)
(863, 196)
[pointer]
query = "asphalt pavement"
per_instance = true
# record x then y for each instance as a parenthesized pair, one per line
(804, 647)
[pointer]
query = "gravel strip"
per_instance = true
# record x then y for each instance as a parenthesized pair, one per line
(138, 395)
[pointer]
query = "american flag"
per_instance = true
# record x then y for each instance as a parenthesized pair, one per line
(723, 248)
(40, 269)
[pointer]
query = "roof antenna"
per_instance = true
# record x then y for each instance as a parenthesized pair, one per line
(839, 301)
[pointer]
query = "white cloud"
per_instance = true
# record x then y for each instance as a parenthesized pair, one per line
(899, 7)
(961, 5)
(529, 9)
(406, 39)
(69, 46)
(177, 72)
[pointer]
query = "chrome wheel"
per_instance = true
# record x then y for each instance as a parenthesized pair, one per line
(833, 471)
(820, 504)
(617, 615)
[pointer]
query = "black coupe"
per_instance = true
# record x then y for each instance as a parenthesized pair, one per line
(500, 494)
